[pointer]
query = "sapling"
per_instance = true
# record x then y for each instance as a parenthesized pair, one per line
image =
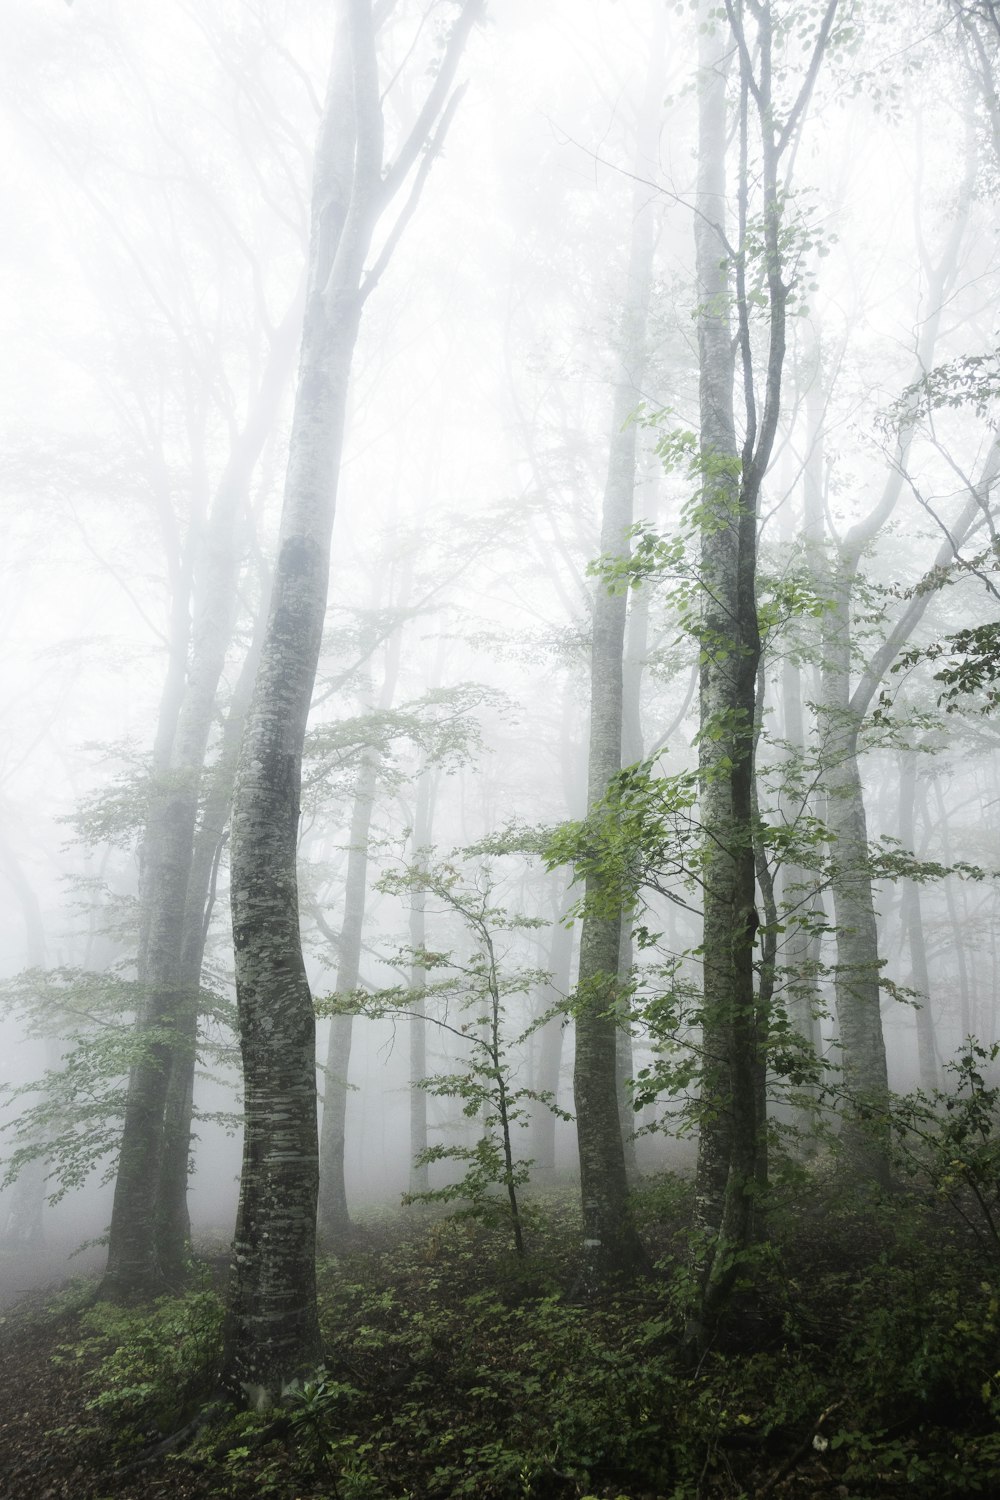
(471, 988)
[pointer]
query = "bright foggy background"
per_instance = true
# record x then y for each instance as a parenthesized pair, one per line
(154, 174)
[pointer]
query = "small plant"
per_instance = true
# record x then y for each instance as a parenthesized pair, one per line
(316, 1406)
(949, 1141)
(156, 1364)
(482, 981)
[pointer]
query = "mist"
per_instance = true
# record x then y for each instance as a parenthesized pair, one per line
(499, 620)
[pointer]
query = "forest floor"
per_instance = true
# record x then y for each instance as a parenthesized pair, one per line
(862, 1362)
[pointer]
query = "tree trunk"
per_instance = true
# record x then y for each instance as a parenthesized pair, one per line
(863, 1060)
(610, 1242)
(272, 1331)
(723, 950)
(23, 1229)
(732, 1144)
(841, 715)
(548, 1063)
(865, 1074)
(172, 1216)
(419, 1181)
(334, 1216)
(912, 919)
(134, 1267)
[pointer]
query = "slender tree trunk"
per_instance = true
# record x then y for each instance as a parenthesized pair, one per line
(958, 937)
(548, 1063)
(801, 908)
(732, 1150)
(421, 839)
(862, 1044)
(865, 1074)
(134, 1267)
(912, 919)
(23, 1229)
(841, 715)
(272, 1330)
(334, 1216)
(173, 1218)
(633, 665)
(610, 1242)
(719, 563)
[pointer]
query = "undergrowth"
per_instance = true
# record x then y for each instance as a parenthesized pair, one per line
(863, 1362)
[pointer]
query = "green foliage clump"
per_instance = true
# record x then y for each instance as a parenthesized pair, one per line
(154, 1365)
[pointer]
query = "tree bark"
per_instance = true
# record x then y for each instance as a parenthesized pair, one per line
(610, 1243)
(272, 1332)
(173, 1238)
(723, 951)
(134, 1267)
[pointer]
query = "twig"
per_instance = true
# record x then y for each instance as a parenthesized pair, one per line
(797, 1454)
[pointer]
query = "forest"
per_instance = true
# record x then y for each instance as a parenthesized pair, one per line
(500, 757)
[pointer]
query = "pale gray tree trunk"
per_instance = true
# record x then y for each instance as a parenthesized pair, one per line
(633, 749)
(549, 1052)
(958, 936)
(23, 1227)
(419, 1177)
(334, 1216)
(272, 1331)
(172, 1216)
(134, 1265)
(911, 916)
(802, 909)
(862, 1044)
(610, 1242)
(863, 1060)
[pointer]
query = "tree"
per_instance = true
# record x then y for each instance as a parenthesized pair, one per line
(271, 1330)
(731, 1146)
(482, 981)
(611, 1244)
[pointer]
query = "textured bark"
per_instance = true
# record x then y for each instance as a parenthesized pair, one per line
(610, 1242)
(272, 1331)
(724, 952)
(732, 1150)
(134, 1265)
(172, 1217)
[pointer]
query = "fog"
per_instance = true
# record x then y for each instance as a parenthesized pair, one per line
(157, 174)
